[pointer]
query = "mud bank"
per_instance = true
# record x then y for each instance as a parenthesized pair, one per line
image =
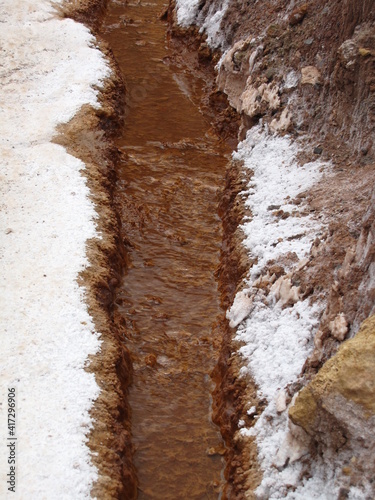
(90, 137)
(316, 85)
(234, 396)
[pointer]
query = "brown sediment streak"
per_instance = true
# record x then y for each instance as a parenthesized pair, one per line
(171, 166)
(89, 136)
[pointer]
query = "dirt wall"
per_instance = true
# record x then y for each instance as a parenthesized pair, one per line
(306, 69)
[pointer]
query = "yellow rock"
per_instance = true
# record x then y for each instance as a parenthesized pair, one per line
(364, 52)
(347, 378)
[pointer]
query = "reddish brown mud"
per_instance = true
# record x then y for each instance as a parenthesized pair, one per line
(172, 167)
(89, 136)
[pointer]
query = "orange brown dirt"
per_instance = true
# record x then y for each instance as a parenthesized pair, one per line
(88, 136)
(191, 52)
(233, 396)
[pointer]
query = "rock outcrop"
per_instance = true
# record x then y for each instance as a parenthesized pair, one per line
(322, 78)
(337, 409)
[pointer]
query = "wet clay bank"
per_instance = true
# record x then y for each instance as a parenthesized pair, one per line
(170, 171)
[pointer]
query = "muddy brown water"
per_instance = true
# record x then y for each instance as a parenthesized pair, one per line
(172, 168)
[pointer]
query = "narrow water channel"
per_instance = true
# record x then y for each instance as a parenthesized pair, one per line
(171, 171)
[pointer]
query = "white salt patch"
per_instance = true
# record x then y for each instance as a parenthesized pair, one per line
(48, 69)
(241, 308)
(276, 340)
(252, 411)
(291, 80)
(187, 11)
(211, 24)
(276, 176)
(221, 60)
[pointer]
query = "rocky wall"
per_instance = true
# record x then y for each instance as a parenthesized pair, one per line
(337, 409)
(306, 69)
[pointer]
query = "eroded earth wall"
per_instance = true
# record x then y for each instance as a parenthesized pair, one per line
(304, 72)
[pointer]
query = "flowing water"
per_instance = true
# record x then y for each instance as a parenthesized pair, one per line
(171, 170)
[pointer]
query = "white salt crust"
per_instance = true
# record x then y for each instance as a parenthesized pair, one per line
(49, 67)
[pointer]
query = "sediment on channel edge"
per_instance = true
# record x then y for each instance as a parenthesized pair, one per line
(89, 136)
(233, 394)
(191, 51)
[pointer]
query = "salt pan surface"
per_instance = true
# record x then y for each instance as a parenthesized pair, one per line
(48, 69)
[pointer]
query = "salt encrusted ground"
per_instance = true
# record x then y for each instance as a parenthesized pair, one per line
(276, 341)
(49, 68)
